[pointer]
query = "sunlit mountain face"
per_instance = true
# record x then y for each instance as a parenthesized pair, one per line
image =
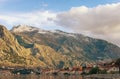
(87, 32)
(54, 49)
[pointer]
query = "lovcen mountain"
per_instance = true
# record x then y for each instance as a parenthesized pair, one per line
(54, 49)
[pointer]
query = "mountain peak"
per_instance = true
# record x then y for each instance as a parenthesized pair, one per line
(2, 28)
(26, 28)
(3, 31)
(23, 28)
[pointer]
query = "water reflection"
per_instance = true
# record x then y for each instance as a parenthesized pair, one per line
(40, 77)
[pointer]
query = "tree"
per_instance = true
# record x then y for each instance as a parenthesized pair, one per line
(117, 63)
(103, 72)
(94, 70)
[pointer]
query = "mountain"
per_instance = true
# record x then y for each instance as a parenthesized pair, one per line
(12, 53)
(76, 48)
(30, 46)
(25, 28)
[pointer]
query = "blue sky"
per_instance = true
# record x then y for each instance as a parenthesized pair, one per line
(54, 5)
(94, 18)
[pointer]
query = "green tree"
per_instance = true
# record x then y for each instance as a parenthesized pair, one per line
(102, 72)
(117, 63)
(94, 70)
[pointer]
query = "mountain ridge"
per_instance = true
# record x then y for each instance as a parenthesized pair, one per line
(52, 49)
(58, 38)
(12, 53)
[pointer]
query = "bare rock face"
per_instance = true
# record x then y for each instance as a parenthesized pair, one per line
(51, 49)
(13, 53)
(76, 47)
(1, 32)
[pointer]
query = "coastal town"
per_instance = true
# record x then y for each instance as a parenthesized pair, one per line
(84, 69)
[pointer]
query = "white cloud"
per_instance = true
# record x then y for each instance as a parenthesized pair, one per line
(102, 21)
(39, 18)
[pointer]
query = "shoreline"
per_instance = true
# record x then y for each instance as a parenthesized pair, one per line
(102, 76)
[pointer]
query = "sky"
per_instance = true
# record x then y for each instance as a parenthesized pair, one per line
(94, 18)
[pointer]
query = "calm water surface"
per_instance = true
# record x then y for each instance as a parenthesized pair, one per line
(40, 77)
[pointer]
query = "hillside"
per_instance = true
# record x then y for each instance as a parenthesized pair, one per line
(51, 49)
(76, 47)
(14, 54)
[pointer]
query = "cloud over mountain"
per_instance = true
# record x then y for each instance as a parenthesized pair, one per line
(37, 18)
(102, 21)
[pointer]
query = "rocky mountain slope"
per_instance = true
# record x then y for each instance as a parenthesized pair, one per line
(76, 48)
(30, 46)
(14, 54)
